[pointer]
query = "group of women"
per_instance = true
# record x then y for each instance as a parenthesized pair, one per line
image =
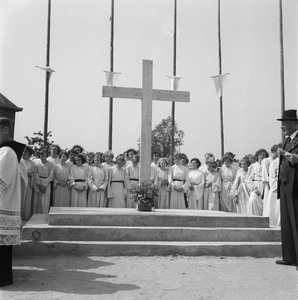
(79, 179)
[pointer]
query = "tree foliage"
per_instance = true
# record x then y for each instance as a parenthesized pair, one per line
(161, 137)
(36, 141)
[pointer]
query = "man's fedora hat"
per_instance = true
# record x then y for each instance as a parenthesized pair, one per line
(289, 115)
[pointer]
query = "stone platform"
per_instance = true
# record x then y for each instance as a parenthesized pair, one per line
(116, 232)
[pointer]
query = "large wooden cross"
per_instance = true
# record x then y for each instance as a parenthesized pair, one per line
(146, 94)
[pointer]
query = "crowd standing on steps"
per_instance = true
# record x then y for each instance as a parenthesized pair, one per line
(79, 178)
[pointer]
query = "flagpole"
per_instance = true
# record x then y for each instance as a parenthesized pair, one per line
(174, 74)
(48, 75)
(110, 140)
(220, 72)
(282, 75)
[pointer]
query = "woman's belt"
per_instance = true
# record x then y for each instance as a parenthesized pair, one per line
(117, 181)
(79, 180)
(178, 180)
(133, 179)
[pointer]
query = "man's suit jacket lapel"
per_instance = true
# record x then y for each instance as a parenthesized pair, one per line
(294, 143)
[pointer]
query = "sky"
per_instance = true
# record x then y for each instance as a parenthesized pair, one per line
(80, 53)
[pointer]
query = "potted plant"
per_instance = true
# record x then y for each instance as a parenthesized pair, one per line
(144, 194)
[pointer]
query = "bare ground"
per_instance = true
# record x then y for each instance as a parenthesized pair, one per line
(172, 277)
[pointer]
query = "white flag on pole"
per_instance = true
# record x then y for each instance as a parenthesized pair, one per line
(219, 81)
(47, 69)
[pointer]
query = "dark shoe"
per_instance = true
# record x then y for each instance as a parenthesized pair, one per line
(5, 284)
(286, 263)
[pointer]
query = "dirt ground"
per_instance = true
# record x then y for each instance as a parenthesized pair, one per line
(172, 277)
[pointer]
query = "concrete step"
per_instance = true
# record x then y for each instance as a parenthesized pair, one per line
(75, 216)
(122, 233)
(53, 248)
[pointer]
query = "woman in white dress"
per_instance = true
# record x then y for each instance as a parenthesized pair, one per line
(212, 186)
(97, 181)
(272, 207)
(265, 176)
(266, 162)
(226, 202)
(117, 184)
(239, 189)
(43, 175)
(61, 192)
(196, 189)
(78, 182)
(27, 193)
(255, 184)
(132, 171)
(179, 182)
(163, 200)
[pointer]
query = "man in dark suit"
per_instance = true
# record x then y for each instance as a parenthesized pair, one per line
(288, 189)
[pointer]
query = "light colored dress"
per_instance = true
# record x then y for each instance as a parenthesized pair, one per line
(195, 197)
(240, 189)
(107, 166)
(272, 207)
(27, 192)
(154, 180)
(97, 181)
(235, 167)
(78, 177)
(133, 176)
(56, 161)
(226, 202)
(43, 174)
(211, 194)
(163, 200)
(254, 183)
(61, 193)
(117, 187)
(265, 178)
(178, 177)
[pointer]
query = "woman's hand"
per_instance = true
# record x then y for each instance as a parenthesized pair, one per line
(42, 189)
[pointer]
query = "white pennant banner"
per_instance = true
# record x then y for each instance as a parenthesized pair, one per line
(219, 81)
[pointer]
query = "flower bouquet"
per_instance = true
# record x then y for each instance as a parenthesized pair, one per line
(144, 194)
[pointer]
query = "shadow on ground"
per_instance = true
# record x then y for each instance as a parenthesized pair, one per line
(40, 275)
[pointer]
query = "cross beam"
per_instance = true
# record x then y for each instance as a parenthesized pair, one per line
(146, 94)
